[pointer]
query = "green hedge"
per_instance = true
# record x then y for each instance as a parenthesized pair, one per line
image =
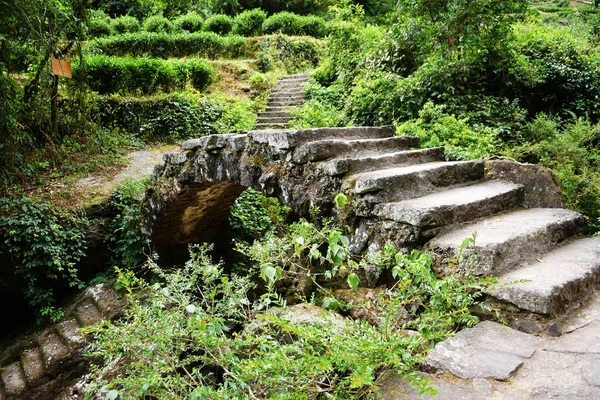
(125, 24)
(296, 25)
(157, 23)
(175, 116)
(163, 45)
(190, 22)
(249, 23)
(106, 74)
(219, 24)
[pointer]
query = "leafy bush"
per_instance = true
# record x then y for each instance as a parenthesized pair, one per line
(157, 23)
(126, 241)
(125, 24)
(317, 114)
(291, 24)
(344, 358)
(461, 140)
(219, 24)
(45, 244)
(190, 22)
(252, 215)
(289, 55)
(121, 74)
(202, 44)
(99, 27)
(249, 23)
(175, 117)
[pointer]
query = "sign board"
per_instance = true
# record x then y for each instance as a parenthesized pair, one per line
(61, 68)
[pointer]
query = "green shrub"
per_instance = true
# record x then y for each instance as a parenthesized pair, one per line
(157, 23)
(106, 74)
(460, 140)
(45, 244)
(253, 215)
(126, 241)
(317, 114)
(98, 27)
(289, 54)
(161, 45)
(125, 24)
(295, 25)
(219, 24)
(249, 23)
(175, 117)
(190, 22)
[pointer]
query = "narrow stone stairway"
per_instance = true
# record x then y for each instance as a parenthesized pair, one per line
(286, 94)
(42, 365)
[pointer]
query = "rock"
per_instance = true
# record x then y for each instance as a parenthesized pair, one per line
(488, 350)
(541, 187)
(363, 302)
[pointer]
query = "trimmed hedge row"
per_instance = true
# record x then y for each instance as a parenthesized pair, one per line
(163, 45)
(106, 74)
(248, 23)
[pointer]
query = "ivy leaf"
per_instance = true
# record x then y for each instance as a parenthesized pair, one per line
(353, 281)
(270, 273)
(112, 395)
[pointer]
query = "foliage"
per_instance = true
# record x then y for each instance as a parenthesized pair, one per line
(45, 244)
(295, 25)
(288, 54)
(252, 215)
(190, 22)
(202, 44)
(461, 140)
(125, 24)
(317, 114)
(145, 75)
(176, 341)
(157, 23)
(219, 24)
(175, 117)
(249, 23)
(126, 241)
(571, 149)
(98, 27)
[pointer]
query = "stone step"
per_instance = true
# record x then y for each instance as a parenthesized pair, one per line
(273, 120)
(284, 140)
(272, 114)
(13, 379)
(505, 241)
(287, 96)
(325, 149)
(271, 125)
(279, 103)
(454, 206)
(340, 166)
(287, 91)
(403, 183)
(556, 283)
(277, 108)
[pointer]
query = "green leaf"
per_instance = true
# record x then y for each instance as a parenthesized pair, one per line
(340, 200)
(112, 395)
(353, 281)
(270, 273)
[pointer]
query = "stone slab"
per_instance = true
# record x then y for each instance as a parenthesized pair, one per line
(508, 240)
(555, 283)
(488, 350)
(13, 378)
(454, 205)
(33, 364)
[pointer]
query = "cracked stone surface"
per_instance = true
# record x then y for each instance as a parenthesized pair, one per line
(488, 350)
(566, 367)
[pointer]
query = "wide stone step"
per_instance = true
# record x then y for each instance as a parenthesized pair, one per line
(287, 91)
(279, 103)
(287, 97)
(274, 114)
(277, 108)
(275, 120)
(326, 149)
(555, 283)
(271, 125)
(505, 241)
(454, 206)
(403, 183)
(284, 140)
(340, 166)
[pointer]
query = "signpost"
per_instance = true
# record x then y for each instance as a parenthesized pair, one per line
(61, 68)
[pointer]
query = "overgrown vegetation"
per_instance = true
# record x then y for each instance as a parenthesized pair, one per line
(196, 332)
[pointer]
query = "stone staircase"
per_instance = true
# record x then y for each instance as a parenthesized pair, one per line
(285, 95)
(42, 365)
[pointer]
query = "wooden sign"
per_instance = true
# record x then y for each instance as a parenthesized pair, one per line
(61, 68)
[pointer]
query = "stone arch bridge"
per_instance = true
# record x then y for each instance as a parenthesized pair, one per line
(396, 193)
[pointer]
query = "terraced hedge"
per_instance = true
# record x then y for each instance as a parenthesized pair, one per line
(106, 74)
(164, 45)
